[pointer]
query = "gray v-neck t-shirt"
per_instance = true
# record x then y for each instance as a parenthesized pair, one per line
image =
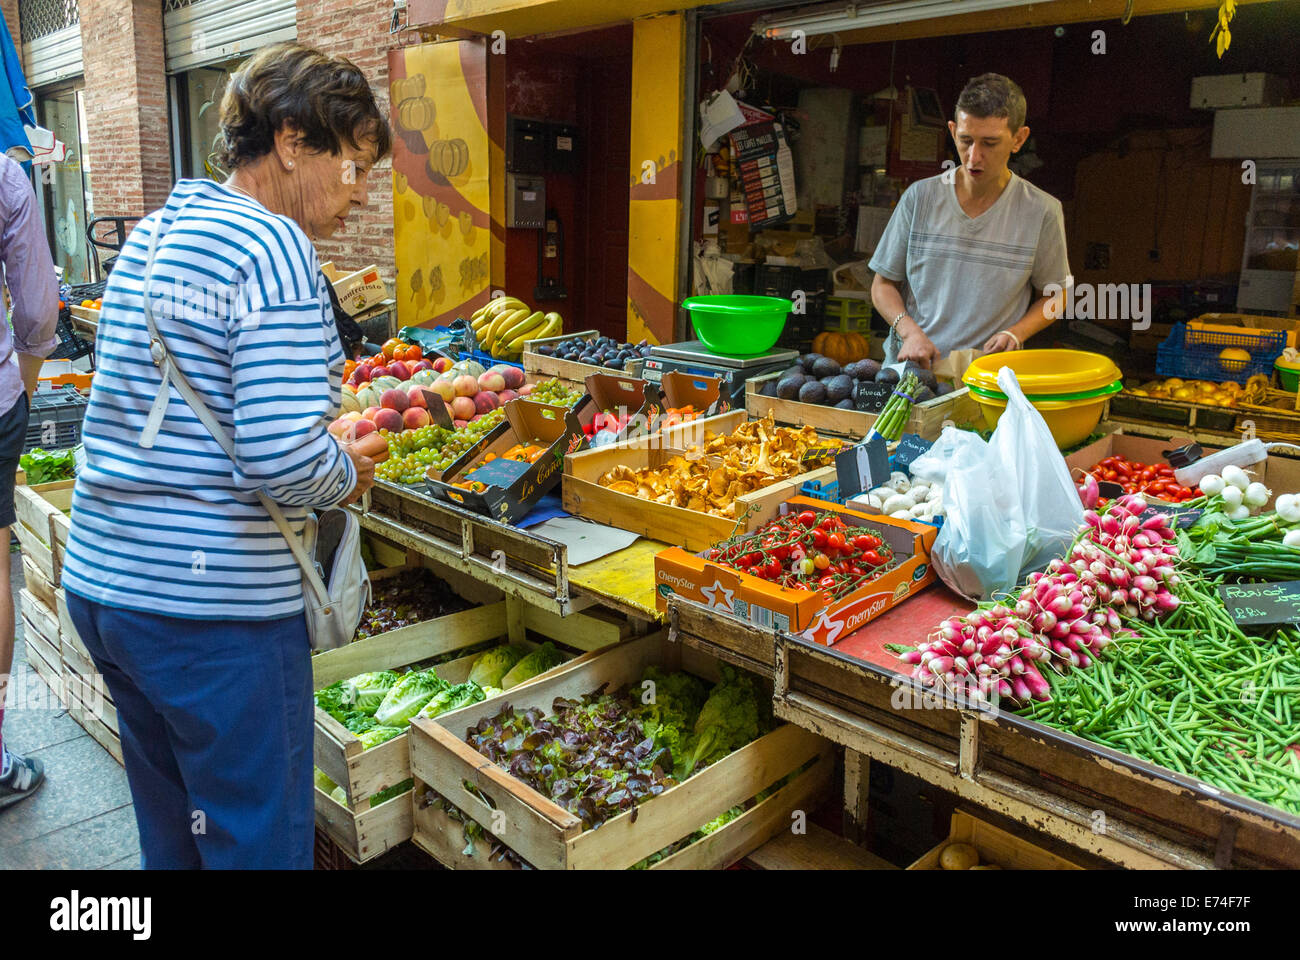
(965, 279)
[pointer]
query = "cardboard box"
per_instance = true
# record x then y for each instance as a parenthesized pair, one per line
(678, 389)
(584, 496)
(769, 605)
(526, 422)
(357, 291)
(621, 396)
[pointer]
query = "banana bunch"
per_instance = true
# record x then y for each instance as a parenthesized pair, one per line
(503, 324)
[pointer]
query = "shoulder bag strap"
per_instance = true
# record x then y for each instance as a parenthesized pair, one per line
(172, 374)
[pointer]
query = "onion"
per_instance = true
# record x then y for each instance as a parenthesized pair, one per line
(1212, 485)
(1256, 495)
(1241, 512)
(1288, 507)
(1233, 496)
(1292, 539)
(1234, 476)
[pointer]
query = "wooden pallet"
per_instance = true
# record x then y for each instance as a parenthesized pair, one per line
(549, 837)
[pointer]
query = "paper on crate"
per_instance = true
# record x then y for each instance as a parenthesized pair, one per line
(357, 291)
(801, 611)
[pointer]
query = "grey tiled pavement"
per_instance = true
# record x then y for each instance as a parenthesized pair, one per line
(82, 817)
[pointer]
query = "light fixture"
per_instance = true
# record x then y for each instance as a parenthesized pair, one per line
(834, 17)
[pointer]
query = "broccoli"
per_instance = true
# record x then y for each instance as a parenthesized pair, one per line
(730, 718)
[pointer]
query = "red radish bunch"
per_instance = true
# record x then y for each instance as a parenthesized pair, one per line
(1065, 616)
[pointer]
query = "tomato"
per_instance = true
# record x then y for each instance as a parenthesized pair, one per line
(1109, 474)
(866, 542)
(857, 571)
(821, 561)
(391, 346)
(819, 538)
(872, 558)
(831, 523)
(805, 567)
(827, 583)
(835, 543)
(414, 353)
(772, 569)
(806, 519)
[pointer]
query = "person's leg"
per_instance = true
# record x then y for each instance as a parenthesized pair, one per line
(236, 700)
(162, 807)
(20, 777)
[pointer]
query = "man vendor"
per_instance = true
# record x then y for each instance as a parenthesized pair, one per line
(966, 251)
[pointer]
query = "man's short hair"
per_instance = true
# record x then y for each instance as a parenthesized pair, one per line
(993, 95)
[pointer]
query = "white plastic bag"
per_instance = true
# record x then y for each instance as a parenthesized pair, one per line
(1010, 506)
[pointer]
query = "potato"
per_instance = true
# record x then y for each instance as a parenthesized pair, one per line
(959, 856)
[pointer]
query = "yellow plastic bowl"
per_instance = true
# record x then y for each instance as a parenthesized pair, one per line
(1071, 421)
(1045, 371)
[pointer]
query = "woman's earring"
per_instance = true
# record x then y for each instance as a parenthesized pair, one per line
(290, 164)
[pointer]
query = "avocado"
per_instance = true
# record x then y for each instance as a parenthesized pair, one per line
(825, 367)
(944, 388)
(814, 391)
(768, 389)
(846, 404)
(928, 378)
(923, 394)
(867, 369)
(787, 388)
(797, 368)
(887, 376)
(808, 360)
(838, 387)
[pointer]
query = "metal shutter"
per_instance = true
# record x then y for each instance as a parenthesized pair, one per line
(50, 33)
(199, 32)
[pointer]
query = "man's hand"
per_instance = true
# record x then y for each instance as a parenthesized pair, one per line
(365, 475)
(1000, 343)
(918, 348)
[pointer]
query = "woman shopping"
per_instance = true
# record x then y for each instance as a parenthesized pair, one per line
(180, 584)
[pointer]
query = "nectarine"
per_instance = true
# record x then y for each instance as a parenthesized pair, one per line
(444, 389)
(465, 386)
(415, 418)
(416, 398)
(400, 370)
(389, 419)
(441, 364)
(462, 408)
(514, 377)
(492, 381)
(485, 401)
(369, 413)
(507, 395)
(395, 400)
(362, 427)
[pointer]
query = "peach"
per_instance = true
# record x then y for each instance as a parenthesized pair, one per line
(377, 372)
(422, 365)
(441, 364)
(395, 400)
(507, 395)
(415, 417)
(369, 413)
(525, 390)
(362, 427)
(485, 401)
(444, 389)
(492, 380)
(389, 419)
(465, 386)
(514, 377)
(462, 408)
(416, 398)
(450, 415)
(339, 427)
(460, 423)
(400, 370)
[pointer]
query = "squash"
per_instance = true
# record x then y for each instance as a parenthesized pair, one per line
(844, 348)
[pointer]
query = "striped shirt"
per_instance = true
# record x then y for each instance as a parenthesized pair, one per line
(177, 529)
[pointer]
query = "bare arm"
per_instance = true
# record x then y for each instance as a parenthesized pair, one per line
(1034, 321)
(888, 299)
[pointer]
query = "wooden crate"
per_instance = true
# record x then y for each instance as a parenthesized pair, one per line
(549, 837)
(41, 641)
(543, 367)
(437, 834)
(37, 582)
(42, 526)
(926, 419)
(995, 846)
(584, 496)
(366, 832)
(89, 701)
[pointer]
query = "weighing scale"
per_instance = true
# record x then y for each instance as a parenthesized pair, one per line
(693, 357)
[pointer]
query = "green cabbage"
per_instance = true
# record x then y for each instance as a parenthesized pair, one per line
(491, 666)
(336, 699)
(377, 735)
(407, 696)
(453, 698)
(371, 688)
(540, 660)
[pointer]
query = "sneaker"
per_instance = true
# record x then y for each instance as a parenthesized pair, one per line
(26, 774)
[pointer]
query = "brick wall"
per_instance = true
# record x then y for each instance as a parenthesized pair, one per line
(10, 9)
(358, 30)
(126, 106)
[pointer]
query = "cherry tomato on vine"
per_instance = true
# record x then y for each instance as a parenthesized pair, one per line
(835, 543)
(806, 519)
(865, 541)
(819, 539)
(821, 561)
(872, 557)
(827, 583)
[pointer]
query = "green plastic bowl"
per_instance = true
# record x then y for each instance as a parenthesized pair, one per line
(738, 325)
(1289, 374)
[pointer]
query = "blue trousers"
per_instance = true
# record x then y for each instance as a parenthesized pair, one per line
(216, 722)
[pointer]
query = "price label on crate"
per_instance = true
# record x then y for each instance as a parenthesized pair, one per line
(1261, 604)
(1179, 516)
(870, 397)
(910, 446)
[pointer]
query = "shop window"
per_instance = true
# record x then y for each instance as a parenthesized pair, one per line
(64, 188)
(198, 94)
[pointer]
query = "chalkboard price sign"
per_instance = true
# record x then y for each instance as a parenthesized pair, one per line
(871, 397)
(1260, 604)
(910, 446)
(1180, 517)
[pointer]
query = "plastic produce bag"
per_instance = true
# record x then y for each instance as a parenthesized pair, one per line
(1010, 505)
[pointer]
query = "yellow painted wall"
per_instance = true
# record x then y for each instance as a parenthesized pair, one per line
(441, 205)
(655, 208)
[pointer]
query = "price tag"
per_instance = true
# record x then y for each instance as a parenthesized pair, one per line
(910, 447)
(1180, 517)
(871, 397)
(1259, 604)
(862, 467)
(1109, 489)
(437, 409)
(499, 472)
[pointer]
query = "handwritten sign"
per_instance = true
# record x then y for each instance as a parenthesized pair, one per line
(1180, 517)
(499, 472)
(437, 409)
(870, 397)
(910, 446)
(1259, 604)
(1109, 489)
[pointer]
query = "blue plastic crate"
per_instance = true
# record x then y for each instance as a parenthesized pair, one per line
(487, 360)
(829, 490)
(1177, 356)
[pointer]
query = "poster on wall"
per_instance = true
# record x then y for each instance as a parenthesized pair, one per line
(441, 219)
(766, 168)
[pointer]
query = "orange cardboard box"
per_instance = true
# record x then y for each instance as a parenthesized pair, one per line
(793, 610)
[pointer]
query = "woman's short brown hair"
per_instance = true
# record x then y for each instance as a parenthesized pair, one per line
(326, 99)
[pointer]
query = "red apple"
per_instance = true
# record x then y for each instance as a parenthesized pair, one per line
(389, 419)
(395, 400)
(400, 370)
(416, 398)
(415, 418)
(465, 386)
(441, 364)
